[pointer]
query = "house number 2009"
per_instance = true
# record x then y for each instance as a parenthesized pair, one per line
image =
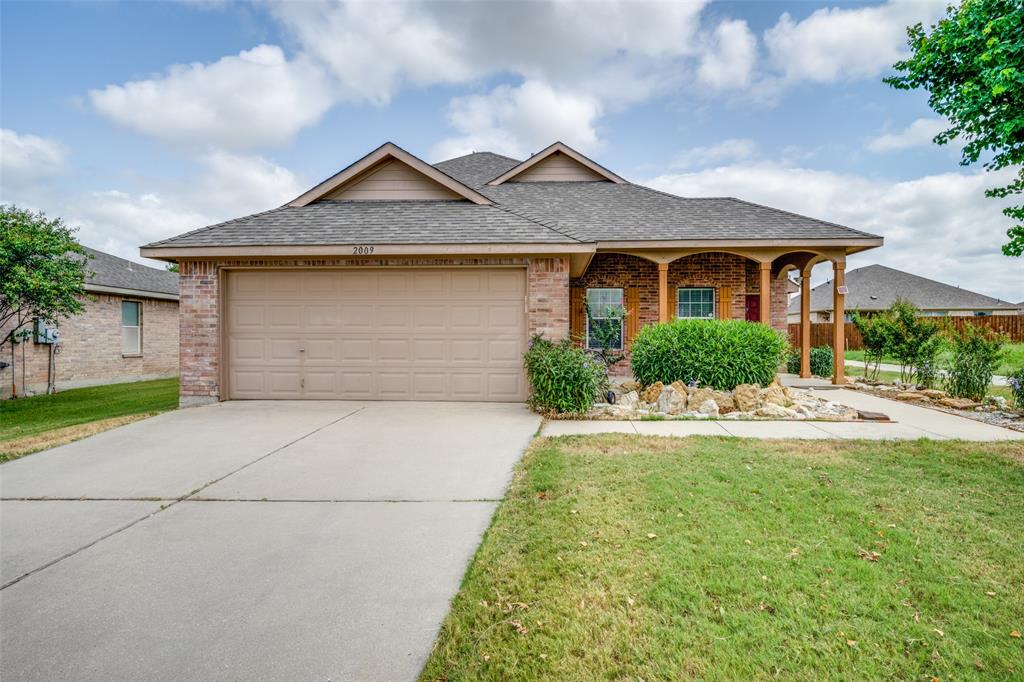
(362, 250)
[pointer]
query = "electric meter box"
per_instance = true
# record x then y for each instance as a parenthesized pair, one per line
(44, 333)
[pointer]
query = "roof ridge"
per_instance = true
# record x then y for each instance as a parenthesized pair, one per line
(463, 156)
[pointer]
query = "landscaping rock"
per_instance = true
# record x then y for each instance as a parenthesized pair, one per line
(725, 402)
(776, 411)
(627, 386)
(671, 401)
(699, 396)
(747, 397)
(934, 394)
(909, 395)
(652, 392)
(680, 387)
(709, 407)
(959, 403)
(775, 395)
(628, 401)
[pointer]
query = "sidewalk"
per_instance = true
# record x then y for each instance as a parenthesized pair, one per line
(908, 422)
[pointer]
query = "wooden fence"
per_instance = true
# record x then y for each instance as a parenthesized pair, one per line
(821, 332)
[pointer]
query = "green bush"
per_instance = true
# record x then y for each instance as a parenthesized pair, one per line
(976, 353)
(1016, 382)
(718, 353)
(563, 376)
(821, 361)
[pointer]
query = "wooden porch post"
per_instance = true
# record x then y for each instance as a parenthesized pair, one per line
(839, 322)
(664, 314)
(805, 322)
(766, 293)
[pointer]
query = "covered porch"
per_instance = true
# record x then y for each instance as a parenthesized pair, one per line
(663, 283)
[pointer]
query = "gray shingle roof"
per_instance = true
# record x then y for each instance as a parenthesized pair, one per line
(392, 222)
(111, 271)
(536, 212)
(876, 287)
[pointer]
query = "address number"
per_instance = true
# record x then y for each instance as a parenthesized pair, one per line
(362, 250)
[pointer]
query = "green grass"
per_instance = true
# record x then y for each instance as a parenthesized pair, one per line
(627, 558)
(1013, 358)
(31, 419)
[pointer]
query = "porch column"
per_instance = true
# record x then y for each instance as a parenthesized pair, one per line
(664, 314)
(838, 322)
(805, 322)
(766, 293)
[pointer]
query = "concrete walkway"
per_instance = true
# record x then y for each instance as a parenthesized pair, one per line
(908, 422)
(249, 540)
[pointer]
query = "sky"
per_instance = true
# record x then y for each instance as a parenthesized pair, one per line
(141, 120)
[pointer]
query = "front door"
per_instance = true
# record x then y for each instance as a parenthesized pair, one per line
(753, 308)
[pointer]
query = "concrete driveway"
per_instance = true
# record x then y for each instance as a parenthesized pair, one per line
(249, 540)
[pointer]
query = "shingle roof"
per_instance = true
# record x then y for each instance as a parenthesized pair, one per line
(111, 271)
(534, 212)
(392, 222)
(876, 287)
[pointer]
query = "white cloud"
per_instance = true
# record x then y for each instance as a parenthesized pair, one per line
(26, 159)
(729, 59)
(735, 149)
(938, 226)
(255, 98)
(520, 120)
(918, 134)
(835, 43)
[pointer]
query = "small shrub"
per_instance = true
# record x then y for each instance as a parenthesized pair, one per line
(718, 353)
(976, 353)
(876, 333)
(821, 361)
(914, 340)
(563, 376)
(1016, 382)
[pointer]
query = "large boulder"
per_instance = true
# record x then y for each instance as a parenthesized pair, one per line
(672, 401)
(699, 395)
(775, 411)
(725, 402)
(775, 394)
(708, 407)
(747, 397)
(652, 392)
(680, 387)
(627, 386)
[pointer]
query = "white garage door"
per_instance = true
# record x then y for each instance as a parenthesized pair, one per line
(376, 334)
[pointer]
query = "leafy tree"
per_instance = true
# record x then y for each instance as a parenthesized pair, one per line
(915, 341)
(877, 334)
(42, 270)
(972, 64)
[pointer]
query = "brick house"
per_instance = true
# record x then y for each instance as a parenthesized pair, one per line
(396, 279)
(127, 332)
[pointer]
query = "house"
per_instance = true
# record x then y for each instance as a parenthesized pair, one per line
(128, 331)
(875, 287)
(396, 279)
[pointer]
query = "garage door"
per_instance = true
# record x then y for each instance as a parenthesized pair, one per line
(376, 334)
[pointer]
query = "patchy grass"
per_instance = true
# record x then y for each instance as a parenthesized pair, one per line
(624, 557)
(31, 424)
(1013, 358)
(858, 370)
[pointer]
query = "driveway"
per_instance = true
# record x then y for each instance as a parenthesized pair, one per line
(249, 540)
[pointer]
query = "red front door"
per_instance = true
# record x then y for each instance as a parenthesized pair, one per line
(753, 308)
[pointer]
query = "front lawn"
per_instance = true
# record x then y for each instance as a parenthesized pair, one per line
(621, 557)
(39, 422)
(1013, 358)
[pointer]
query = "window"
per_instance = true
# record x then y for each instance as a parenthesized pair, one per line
(696, 302)
(131, 328)
(606, 312)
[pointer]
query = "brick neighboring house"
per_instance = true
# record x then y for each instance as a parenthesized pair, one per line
(875, 288)
(128, 331)
(397, 279)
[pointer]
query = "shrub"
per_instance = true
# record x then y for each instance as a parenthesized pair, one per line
(563, 376)
(718, 353)
(976, 353)
(914, 341)
(1016, 382)
(821, 361)
(876, 333)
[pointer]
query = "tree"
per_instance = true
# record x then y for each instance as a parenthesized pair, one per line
(42, 270)
(972, 64)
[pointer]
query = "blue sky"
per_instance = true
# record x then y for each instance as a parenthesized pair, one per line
(136, 121)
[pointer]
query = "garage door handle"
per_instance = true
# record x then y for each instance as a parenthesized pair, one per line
(302, 350)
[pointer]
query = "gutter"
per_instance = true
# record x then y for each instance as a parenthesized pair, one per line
(138, 293)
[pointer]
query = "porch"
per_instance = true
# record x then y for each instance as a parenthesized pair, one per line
(660, 285)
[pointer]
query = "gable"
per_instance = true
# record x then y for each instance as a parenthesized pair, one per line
(558, 168)
(391, 180)
(557, 163)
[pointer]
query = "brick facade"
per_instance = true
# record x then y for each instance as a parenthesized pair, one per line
(714, 270)
(90, 349)
(547, 305)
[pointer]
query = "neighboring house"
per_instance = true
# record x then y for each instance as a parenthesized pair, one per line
(1020, 308)
(128, 331)
(395, 279)
(875, 287)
